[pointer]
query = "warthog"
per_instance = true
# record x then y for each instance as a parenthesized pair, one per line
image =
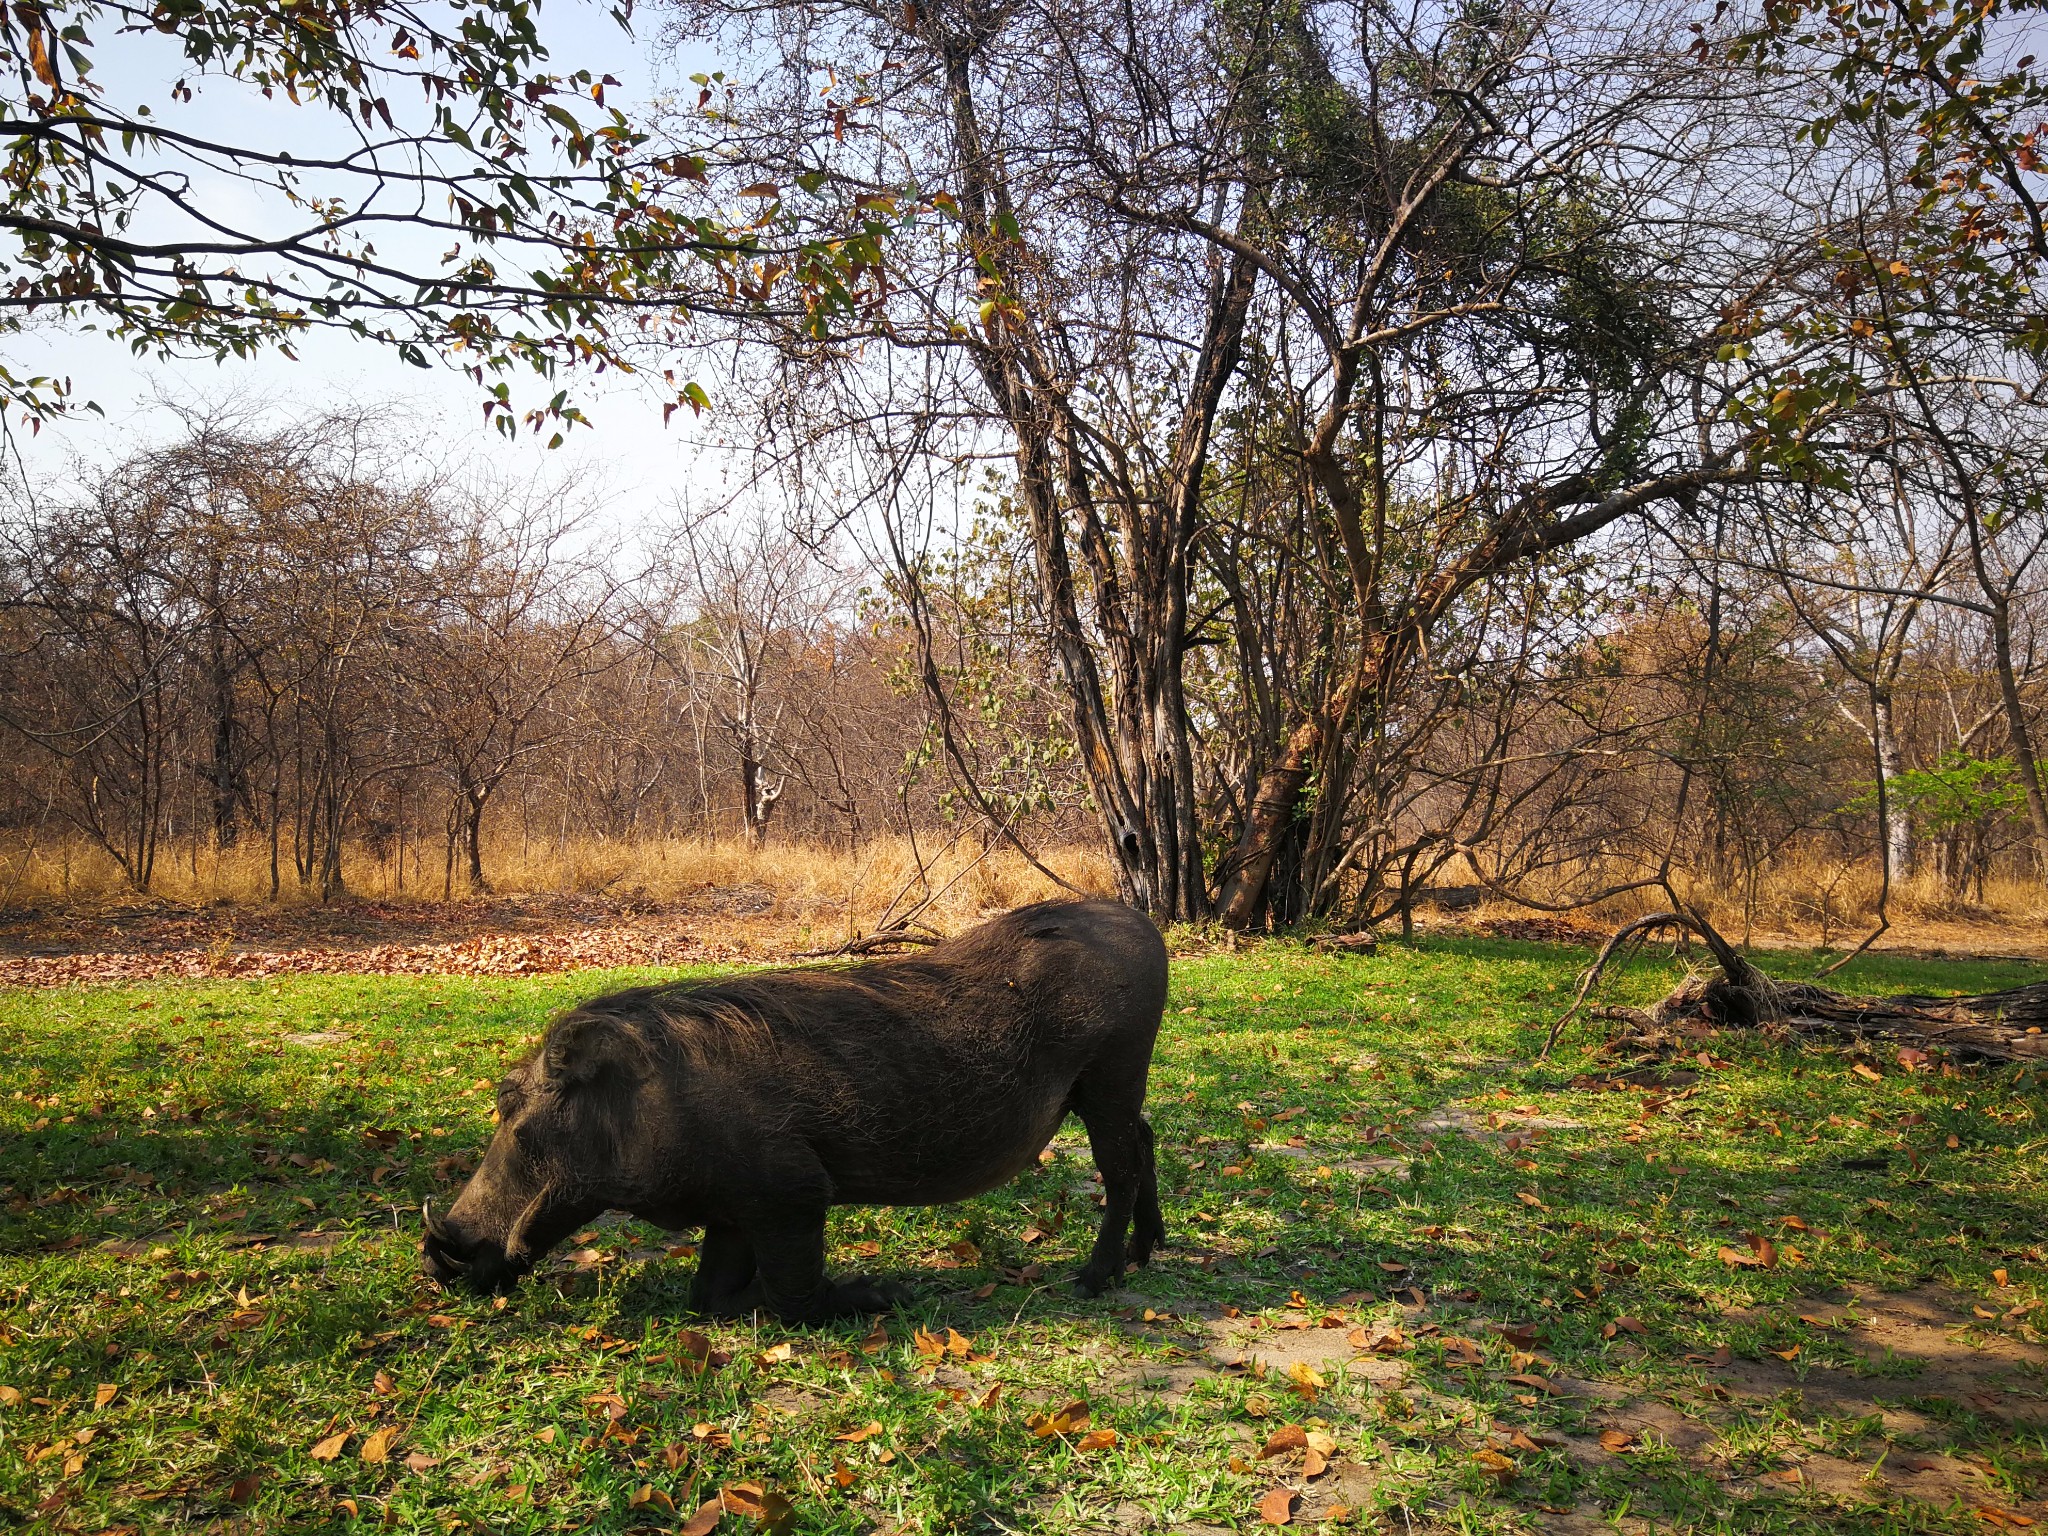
(748, 1106)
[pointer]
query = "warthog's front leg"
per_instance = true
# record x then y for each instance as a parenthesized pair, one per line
(791, 1281)
(725, 1272)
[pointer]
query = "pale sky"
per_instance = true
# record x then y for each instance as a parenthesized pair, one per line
(642, 465)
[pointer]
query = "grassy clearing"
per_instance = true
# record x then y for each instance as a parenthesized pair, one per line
(1320, 1119)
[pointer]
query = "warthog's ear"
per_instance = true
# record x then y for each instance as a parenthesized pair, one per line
(585, 1050)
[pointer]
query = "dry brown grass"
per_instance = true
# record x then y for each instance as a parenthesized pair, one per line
(832, 890)
(824, 894)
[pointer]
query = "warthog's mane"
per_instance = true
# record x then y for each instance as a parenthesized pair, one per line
(743, 1017)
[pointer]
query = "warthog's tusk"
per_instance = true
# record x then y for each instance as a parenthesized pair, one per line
(432, 1222)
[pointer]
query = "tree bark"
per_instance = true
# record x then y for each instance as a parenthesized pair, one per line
(1248, 866)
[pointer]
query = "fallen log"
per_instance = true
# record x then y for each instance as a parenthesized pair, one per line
(2007, 1026)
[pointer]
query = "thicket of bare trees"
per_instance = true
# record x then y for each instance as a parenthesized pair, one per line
(1311, 448)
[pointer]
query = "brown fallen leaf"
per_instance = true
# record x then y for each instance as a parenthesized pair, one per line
(1277, 1507)
(1790, 1476)
(329, 1448)
(243, 1489)
(842, 1474)
(420, 1461)
(1096, 1440)
(1289, 1437)
(107, 1391)
(866, 1432)
(705, 1521)
(1787, 1354)
(377, 1446)
(1615, 1441)
(1314, 1463)
(2003, 1519)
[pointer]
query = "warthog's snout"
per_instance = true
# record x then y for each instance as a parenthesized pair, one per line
(448, 1255)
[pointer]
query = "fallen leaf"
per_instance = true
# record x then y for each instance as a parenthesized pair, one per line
(2004, 1519)
(377, 1447)
(1067, 1421)
(1307, 1380)
(1096, 1440)
(419, 1461)
(1791, 1476)
(1277, 1507)
(243, 1489)
(1615, 1441)
(647, 1494)
(1997, 1278)
(1502, 1467)
(1787, 1354)
(1314, 1463)
(107, 1391)
(10, 1397)
(329, 1448)
(866, 1432)
(775, 1354)
(705, 1520)
(1864, 1070)
(1289, 1437)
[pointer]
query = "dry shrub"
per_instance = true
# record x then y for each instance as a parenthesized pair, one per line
(1809, 898)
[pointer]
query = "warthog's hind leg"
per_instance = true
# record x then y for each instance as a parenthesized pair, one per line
(1148, 1227)
(1122, 1144)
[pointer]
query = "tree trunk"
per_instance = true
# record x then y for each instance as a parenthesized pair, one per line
(1248, 866)
(1898, 823)
(2019, 736)
(473, 803)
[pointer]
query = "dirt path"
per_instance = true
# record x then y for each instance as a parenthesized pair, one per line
(1864, 1436)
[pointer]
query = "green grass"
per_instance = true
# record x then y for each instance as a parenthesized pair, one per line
(148, 1135)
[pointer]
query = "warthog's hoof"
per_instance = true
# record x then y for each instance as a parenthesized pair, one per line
(869, 1293)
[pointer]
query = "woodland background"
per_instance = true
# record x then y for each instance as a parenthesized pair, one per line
(1283, 458)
